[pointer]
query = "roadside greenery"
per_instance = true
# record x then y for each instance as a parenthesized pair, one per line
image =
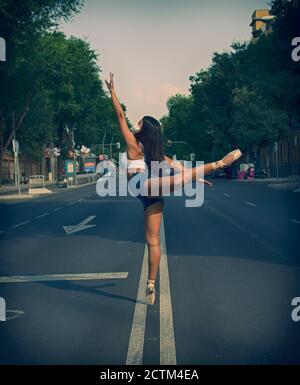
(49, 85)
(249, 95)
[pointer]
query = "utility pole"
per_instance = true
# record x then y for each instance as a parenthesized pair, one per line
(110, 148)
(16, 163)
(103, 140)
(74, 156)
(276, 150)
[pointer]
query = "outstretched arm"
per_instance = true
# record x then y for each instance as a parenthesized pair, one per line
(128, 136)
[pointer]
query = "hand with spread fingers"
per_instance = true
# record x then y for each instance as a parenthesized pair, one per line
(205, 181)
(110, 84)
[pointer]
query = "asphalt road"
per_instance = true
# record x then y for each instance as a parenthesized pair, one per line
(229, 271)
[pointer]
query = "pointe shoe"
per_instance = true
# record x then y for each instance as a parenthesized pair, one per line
(229, 159)
(150, 293)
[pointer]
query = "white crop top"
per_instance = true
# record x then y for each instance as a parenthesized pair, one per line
(133, 163)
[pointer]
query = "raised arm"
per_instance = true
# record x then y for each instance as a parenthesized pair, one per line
(128, 136)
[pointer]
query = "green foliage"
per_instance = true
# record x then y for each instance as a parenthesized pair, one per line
(248, 96)
(49, 82)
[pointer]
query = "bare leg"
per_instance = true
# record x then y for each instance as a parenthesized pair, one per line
(152, 218)
(177, 180)
(174, 182)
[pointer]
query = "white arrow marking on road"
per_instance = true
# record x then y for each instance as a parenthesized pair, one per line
(81, 226)
(295, 221)
(15, 314)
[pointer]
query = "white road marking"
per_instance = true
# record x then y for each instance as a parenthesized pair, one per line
(81, 199)
(227, 195)
(137, 335)
(58, 208)
(62, 277)
(21, 224)
(70, 203)
(16, 314)
(81, 226)
(167, 340)
(2, 231)
(250, 204)
(297, 189)
(295, 221)
(101, 200)
(42, 215)
(236, 224)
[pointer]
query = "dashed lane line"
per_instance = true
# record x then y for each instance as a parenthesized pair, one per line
(243, 229)
(20, 224)
(58, 208)
(42, 215)
(250, 204)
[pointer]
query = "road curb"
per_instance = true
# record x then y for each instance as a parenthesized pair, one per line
(15, 198)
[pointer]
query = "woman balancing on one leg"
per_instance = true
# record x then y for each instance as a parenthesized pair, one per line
(144, 146)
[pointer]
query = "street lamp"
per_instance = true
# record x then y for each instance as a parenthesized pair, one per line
(171, 142)
(276, 151)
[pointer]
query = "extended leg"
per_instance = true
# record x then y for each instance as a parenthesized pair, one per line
(176, 181)
(188, 175)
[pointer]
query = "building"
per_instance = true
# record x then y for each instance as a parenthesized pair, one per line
(261, 23)
(282, 158)
(27, 167)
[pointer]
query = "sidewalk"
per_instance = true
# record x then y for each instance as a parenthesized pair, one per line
(265, 180)
(8, 189)
(11, 193)
(289, 183)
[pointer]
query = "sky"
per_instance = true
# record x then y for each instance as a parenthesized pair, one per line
(154, 46)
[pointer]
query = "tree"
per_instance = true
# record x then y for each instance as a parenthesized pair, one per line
(21, 25)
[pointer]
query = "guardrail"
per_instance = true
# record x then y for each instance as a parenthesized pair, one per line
(36, 180)
(86, 178)
(294, 178)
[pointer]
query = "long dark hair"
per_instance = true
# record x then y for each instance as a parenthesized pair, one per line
(150, 136)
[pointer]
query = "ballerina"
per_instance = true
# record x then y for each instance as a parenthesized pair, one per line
(143, 147)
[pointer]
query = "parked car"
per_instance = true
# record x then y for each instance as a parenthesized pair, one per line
(62, 181)
(219, 174)
(261, 173)
(24, 179)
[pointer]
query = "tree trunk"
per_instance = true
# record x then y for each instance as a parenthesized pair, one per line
(15, 125)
